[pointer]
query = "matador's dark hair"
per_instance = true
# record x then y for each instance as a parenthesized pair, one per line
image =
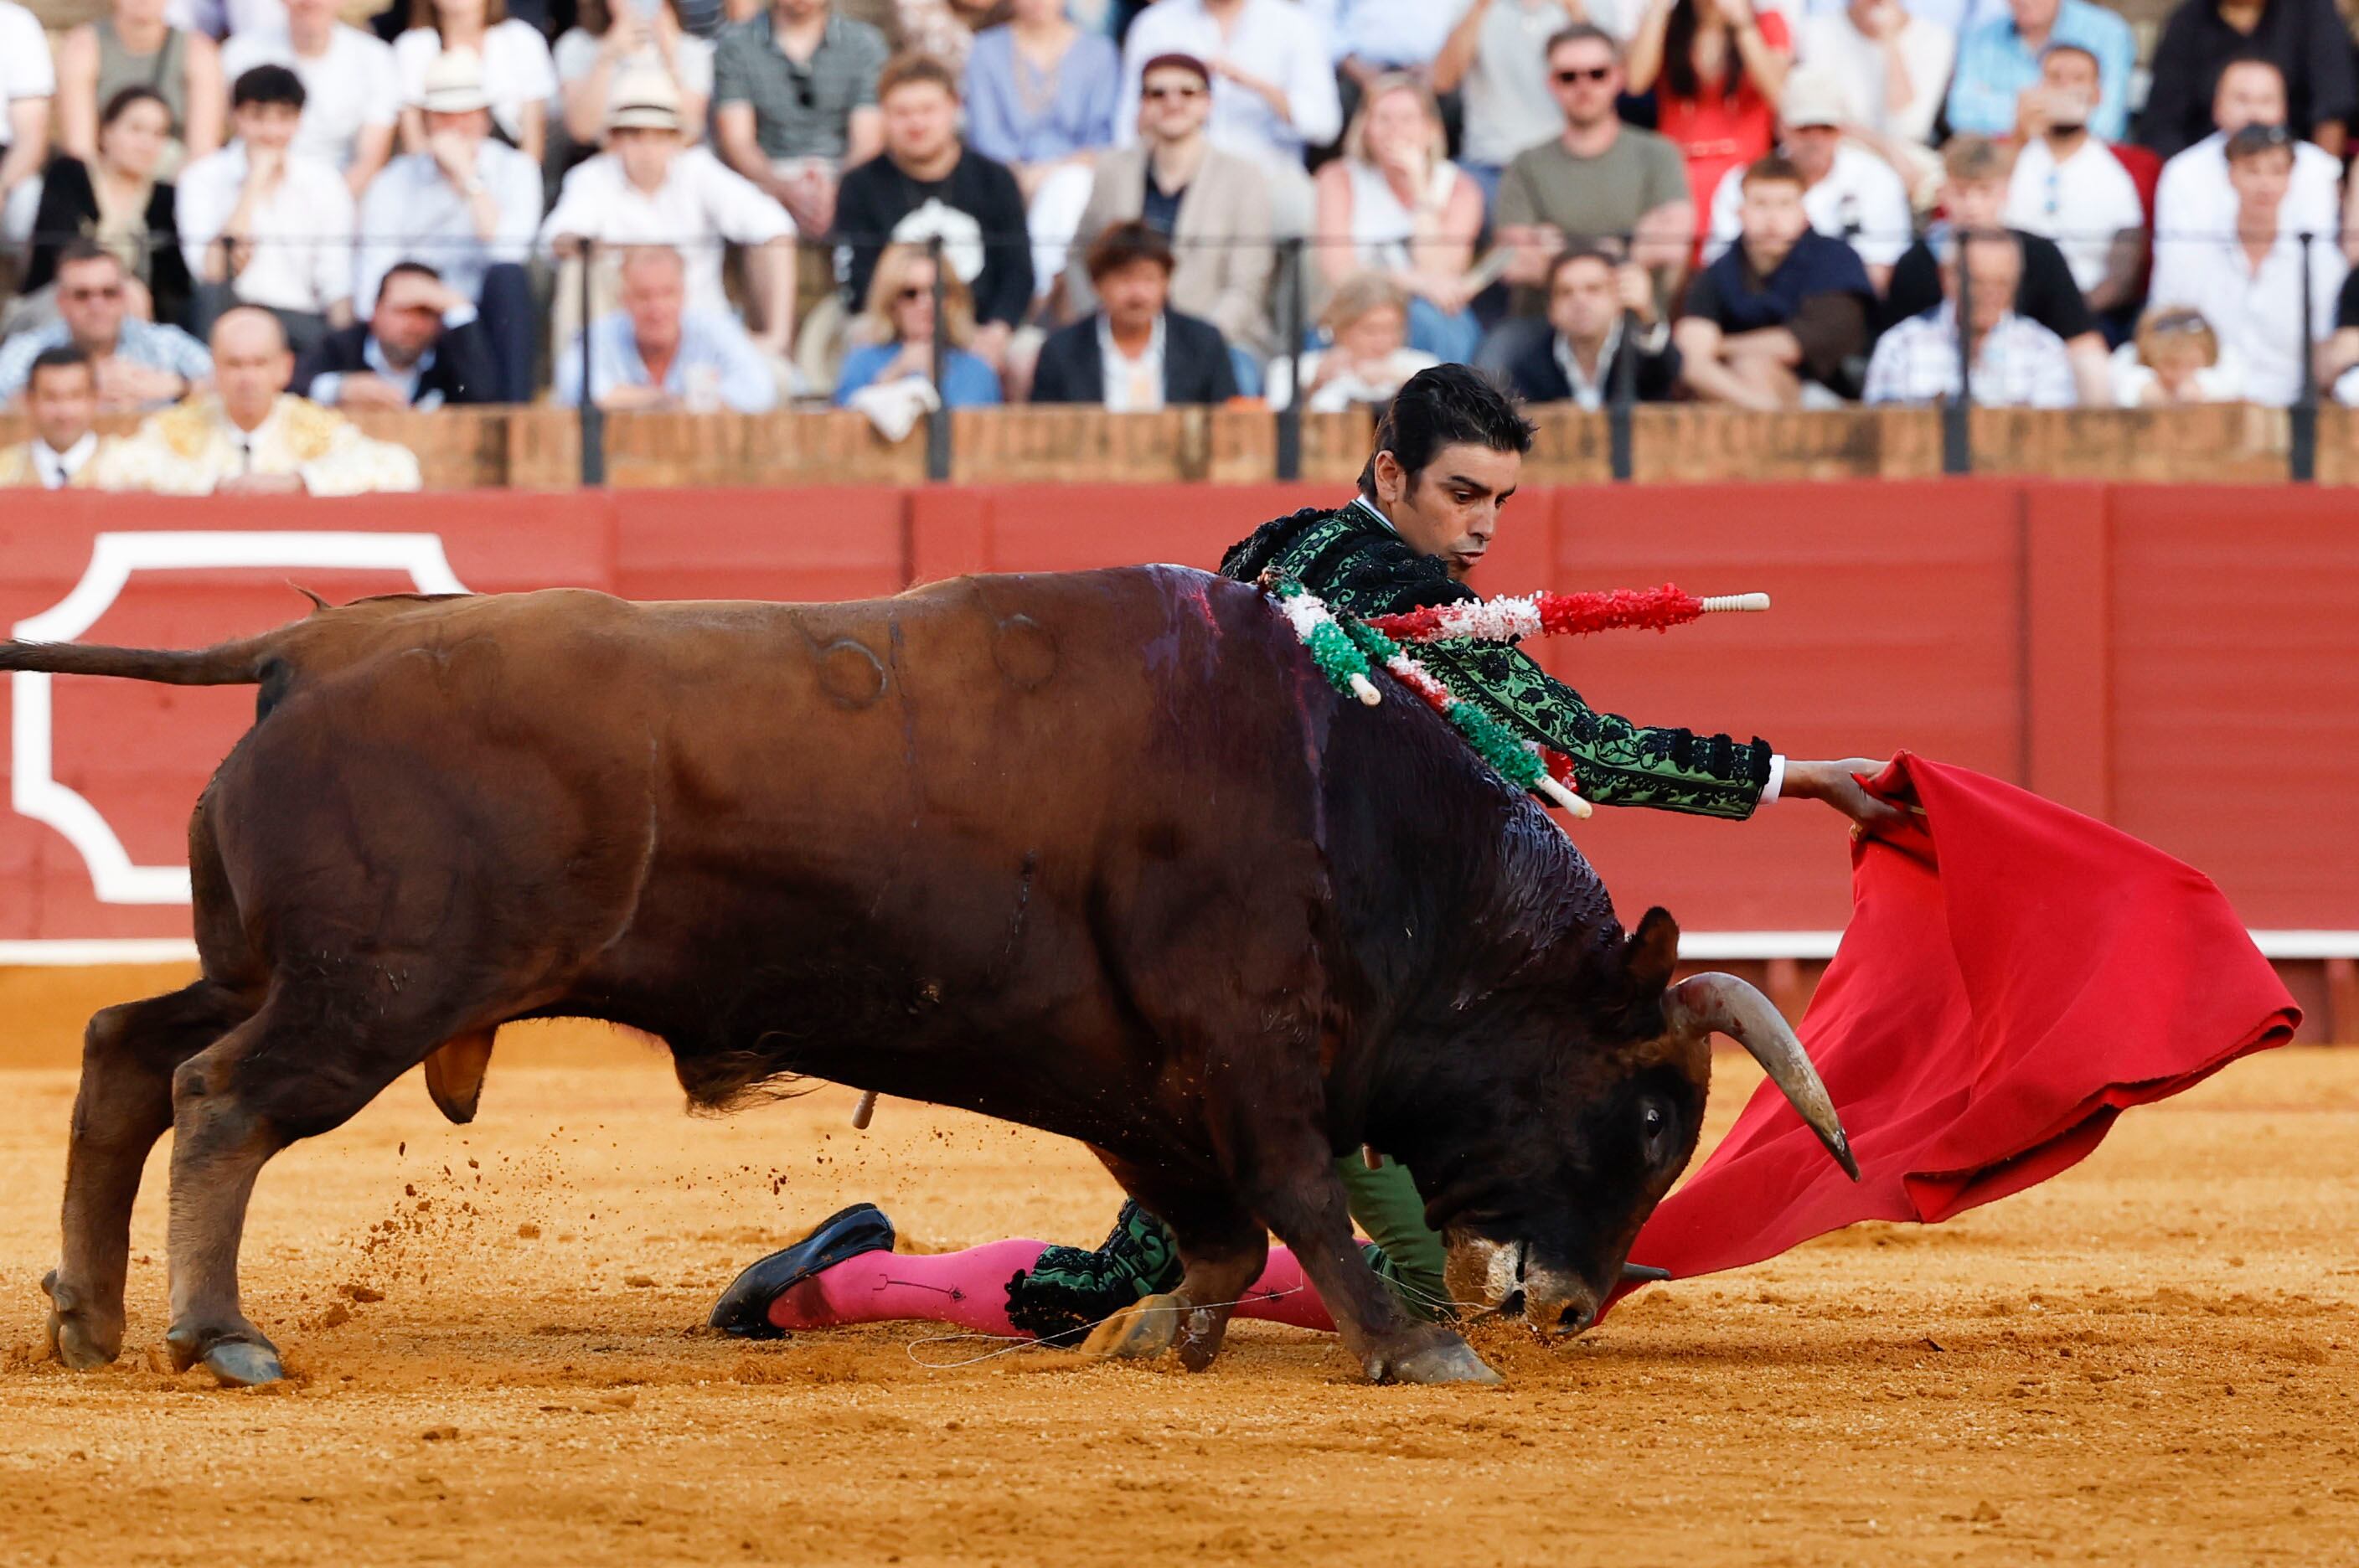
(1450, 405)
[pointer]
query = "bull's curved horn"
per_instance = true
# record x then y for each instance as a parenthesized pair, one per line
(1722, 1002)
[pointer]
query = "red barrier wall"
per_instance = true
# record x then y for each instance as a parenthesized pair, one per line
(2181, 660)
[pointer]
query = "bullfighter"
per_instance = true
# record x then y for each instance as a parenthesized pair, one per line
(1449, 454)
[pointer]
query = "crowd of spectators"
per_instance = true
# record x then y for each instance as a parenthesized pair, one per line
(901, 205)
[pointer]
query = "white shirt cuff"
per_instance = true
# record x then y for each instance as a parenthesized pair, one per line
(1777, 784)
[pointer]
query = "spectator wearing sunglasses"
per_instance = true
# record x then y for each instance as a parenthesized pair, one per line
(2068, 186)
(794, 102)
(139, 365)
(1214, 206)
(1600, 179)
(901, 327)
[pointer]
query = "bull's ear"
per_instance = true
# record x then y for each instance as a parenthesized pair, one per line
(1651, 953)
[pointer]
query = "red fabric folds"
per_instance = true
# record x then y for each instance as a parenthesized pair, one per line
(2014, 976)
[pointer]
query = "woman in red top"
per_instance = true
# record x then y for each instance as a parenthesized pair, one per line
(1716, 68)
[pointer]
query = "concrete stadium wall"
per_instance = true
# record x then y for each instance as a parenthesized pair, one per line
(2182, 661)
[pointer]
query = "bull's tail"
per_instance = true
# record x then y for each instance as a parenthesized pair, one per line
(240, 663)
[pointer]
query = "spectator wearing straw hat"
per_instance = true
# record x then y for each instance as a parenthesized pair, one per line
(648, 189)
(468, 207)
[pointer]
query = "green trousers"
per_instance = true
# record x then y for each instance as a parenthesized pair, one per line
(1404, 1253)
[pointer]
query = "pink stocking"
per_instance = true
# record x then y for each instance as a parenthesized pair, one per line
(967, 1289)
(1283, 1295)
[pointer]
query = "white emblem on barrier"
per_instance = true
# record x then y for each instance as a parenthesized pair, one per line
(36, 792)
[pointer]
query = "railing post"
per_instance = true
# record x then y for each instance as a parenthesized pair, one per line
(1289, 345)
(1619, 399)
(2301, 450)
(1957, 415)
(938, 421)
(593, 418)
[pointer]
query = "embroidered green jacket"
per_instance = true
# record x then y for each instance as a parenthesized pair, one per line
(1355, 561)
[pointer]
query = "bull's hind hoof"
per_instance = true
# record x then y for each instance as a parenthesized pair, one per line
(73, 1337)
(1446, 1360)
(238, 1362)
(1148, 1326)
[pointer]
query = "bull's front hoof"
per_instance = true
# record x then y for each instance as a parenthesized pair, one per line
(240, 1360)
(1148, 1326)
(74, 1335)
(1448, 1359)
(239, 1365)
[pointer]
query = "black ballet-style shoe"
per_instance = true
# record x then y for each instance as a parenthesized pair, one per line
(744, 1309)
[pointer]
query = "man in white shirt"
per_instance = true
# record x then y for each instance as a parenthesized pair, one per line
(468, 206)
(28, 83)
(2194, 200)
(2068, 186)
(351, 94)
(1890, 67)
(262, 226)
(1273, 85)
(647, 189)
(2018, 362)
(1848, 192)
(2250, 283)
(62, 398)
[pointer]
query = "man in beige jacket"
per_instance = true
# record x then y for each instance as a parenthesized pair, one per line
(1214, 206)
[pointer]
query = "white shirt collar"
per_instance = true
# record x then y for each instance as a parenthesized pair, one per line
(57, 468)
(1116, 366)
(1589, 392)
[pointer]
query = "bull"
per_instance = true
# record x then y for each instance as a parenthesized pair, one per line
(1098, 852)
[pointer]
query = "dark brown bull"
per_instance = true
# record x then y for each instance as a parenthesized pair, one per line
(1100, 853)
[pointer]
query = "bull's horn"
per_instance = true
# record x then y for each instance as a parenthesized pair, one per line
(1722, 1002)
(1643, 1274)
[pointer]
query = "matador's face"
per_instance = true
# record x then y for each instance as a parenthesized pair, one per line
(1449, 508)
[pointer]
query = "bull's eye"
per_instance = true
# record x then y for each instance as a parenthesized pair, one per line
(1654, 1128)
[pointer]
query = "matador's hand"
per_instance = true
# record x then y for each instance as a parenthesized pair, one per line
(1833, 783)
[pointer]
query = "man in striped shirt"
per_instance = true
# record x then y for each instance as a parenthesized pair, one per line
(2018, 362)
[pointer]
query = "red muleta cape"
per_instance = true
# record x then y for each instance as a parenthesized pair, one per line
(2015, 976)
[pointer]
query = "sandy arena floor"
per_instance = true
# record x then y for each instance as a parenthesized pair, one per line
(492, 1335)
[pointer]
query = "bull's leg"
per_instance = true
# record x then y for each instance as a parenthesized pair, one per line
(1223, 1248)
(1300, 1195)
(290, 1071)
(123, 1106)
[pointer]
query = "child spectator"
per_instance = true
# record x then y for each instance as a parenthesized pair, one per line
(1407, 212)
(1368, 354)
(2175, 358)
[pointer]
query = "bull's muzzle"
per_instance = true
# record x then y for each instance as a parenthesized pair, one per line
(1558, 1305)
(1500, 1277)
